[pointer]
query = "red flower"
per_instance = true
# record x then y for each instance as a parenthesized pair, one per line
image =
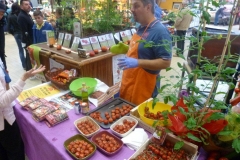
(214, 127)
(178, 126)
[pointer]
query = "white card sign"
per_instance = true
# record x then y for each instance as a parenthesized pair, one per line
(75, 44)
(67, 40)
(60, 38)
(133, 30)
(110, 39)
(76, 29)
(85, 42)
(103, 40)
(126, 35)
(95, 43)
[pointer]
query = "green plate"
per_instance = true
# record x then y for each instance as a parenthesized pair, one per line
(77, 84)
(79, 137)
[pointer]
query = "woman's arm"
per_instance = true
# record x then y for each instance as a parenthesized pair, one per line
(7, 96)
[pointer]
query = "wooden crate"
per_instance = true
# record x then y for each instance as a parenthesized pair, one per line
(188, 147)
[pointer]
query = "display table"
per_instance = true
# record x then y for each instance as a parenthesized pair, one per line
(99, 66)
(44, 143)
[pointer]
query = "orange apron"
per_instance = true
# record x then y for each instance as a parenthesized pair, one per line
(137, 84)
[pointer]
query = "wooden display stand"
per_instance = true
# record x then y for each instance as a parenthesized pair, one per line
(99, 66)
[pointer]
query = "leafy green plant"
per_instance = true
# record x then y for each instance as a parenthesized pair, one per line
(189, 119)
(94, 15)
(101, 16)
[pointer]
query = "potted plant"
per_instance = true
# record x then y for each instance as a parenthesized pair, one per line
(188, 120)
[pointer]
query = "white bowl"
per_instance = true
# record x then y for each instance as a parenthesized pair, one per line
(120, 122)
(84, 119)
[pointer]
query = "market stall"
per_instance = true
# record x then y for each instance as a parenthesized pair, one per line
(99, 66)
(42, 142)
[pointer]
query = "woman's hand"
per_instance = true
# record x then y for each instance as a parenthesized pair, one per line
(33, 72)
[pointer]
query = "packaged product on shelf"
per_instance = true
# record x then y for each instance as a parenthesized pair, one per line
(37, 103)
(56, 117)
(40, 113)
(27, 101)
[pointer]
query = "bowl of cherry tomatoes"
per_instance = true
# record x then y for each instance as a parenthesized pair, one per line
(124, 126)
(107, 142)
(155, 115)
(79, 147)
(86, 126)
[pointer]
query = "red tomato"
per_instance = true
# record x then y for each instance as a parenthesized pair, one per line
(92, 54)
(59, 47)
(214, 155)
(237, 90)
(211, 158)
(223, 158)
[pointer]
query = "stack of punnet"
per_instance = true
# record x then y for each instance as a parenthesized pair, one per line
(35, 104)
(56, 117)
(40, 113)
(27, 101)
(41, 109)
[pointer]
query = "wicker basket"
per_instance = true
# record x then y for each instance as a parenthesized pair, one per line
(54, 72)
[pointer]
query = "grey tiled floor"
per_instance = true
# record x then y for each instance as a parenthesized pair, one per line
(14, 64)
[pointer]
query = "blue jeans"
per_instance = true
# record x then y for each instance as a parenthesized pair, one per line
(216, 19)
(18, 38)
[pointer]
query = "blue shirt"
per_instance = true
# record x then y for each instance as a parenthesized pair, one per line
(157, 12)
(158, 35)
(39, 36)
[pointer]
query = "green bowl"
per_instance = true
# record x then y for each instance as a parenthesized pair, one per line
(79, 137)
(77, 84)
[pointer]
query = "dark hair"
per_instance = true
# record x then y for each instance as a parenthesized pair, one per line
(59, 10)
(15, 8)
(70, 11)
(146, 2)
(21, 1)
(37, 13)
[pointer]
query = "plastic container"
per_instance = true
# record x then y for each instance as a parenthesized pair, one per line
(120, 122)
(79, 137)
(84, 119)
(108, 107)
(99, 134)
(158, 107)
(75, 86)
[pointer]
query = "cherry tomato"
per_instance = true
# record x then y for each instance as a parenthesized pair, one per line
(156, 151)
(211, 158)
(237, 90)
(223, 158)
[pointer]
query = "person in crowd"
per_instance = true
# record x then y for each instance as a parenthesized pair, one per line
(182, 24)
(40, 28)
(11, 143)
(142, 64)
(59, 20)
(26, 23)
(5, 16)
(157, 10)
(217, 14)
(15, 30)
(2, 36)
(237, 19)
(157, 14)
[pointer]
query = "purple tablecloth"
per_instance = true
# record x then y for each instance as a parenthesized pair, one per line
(44, 143)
